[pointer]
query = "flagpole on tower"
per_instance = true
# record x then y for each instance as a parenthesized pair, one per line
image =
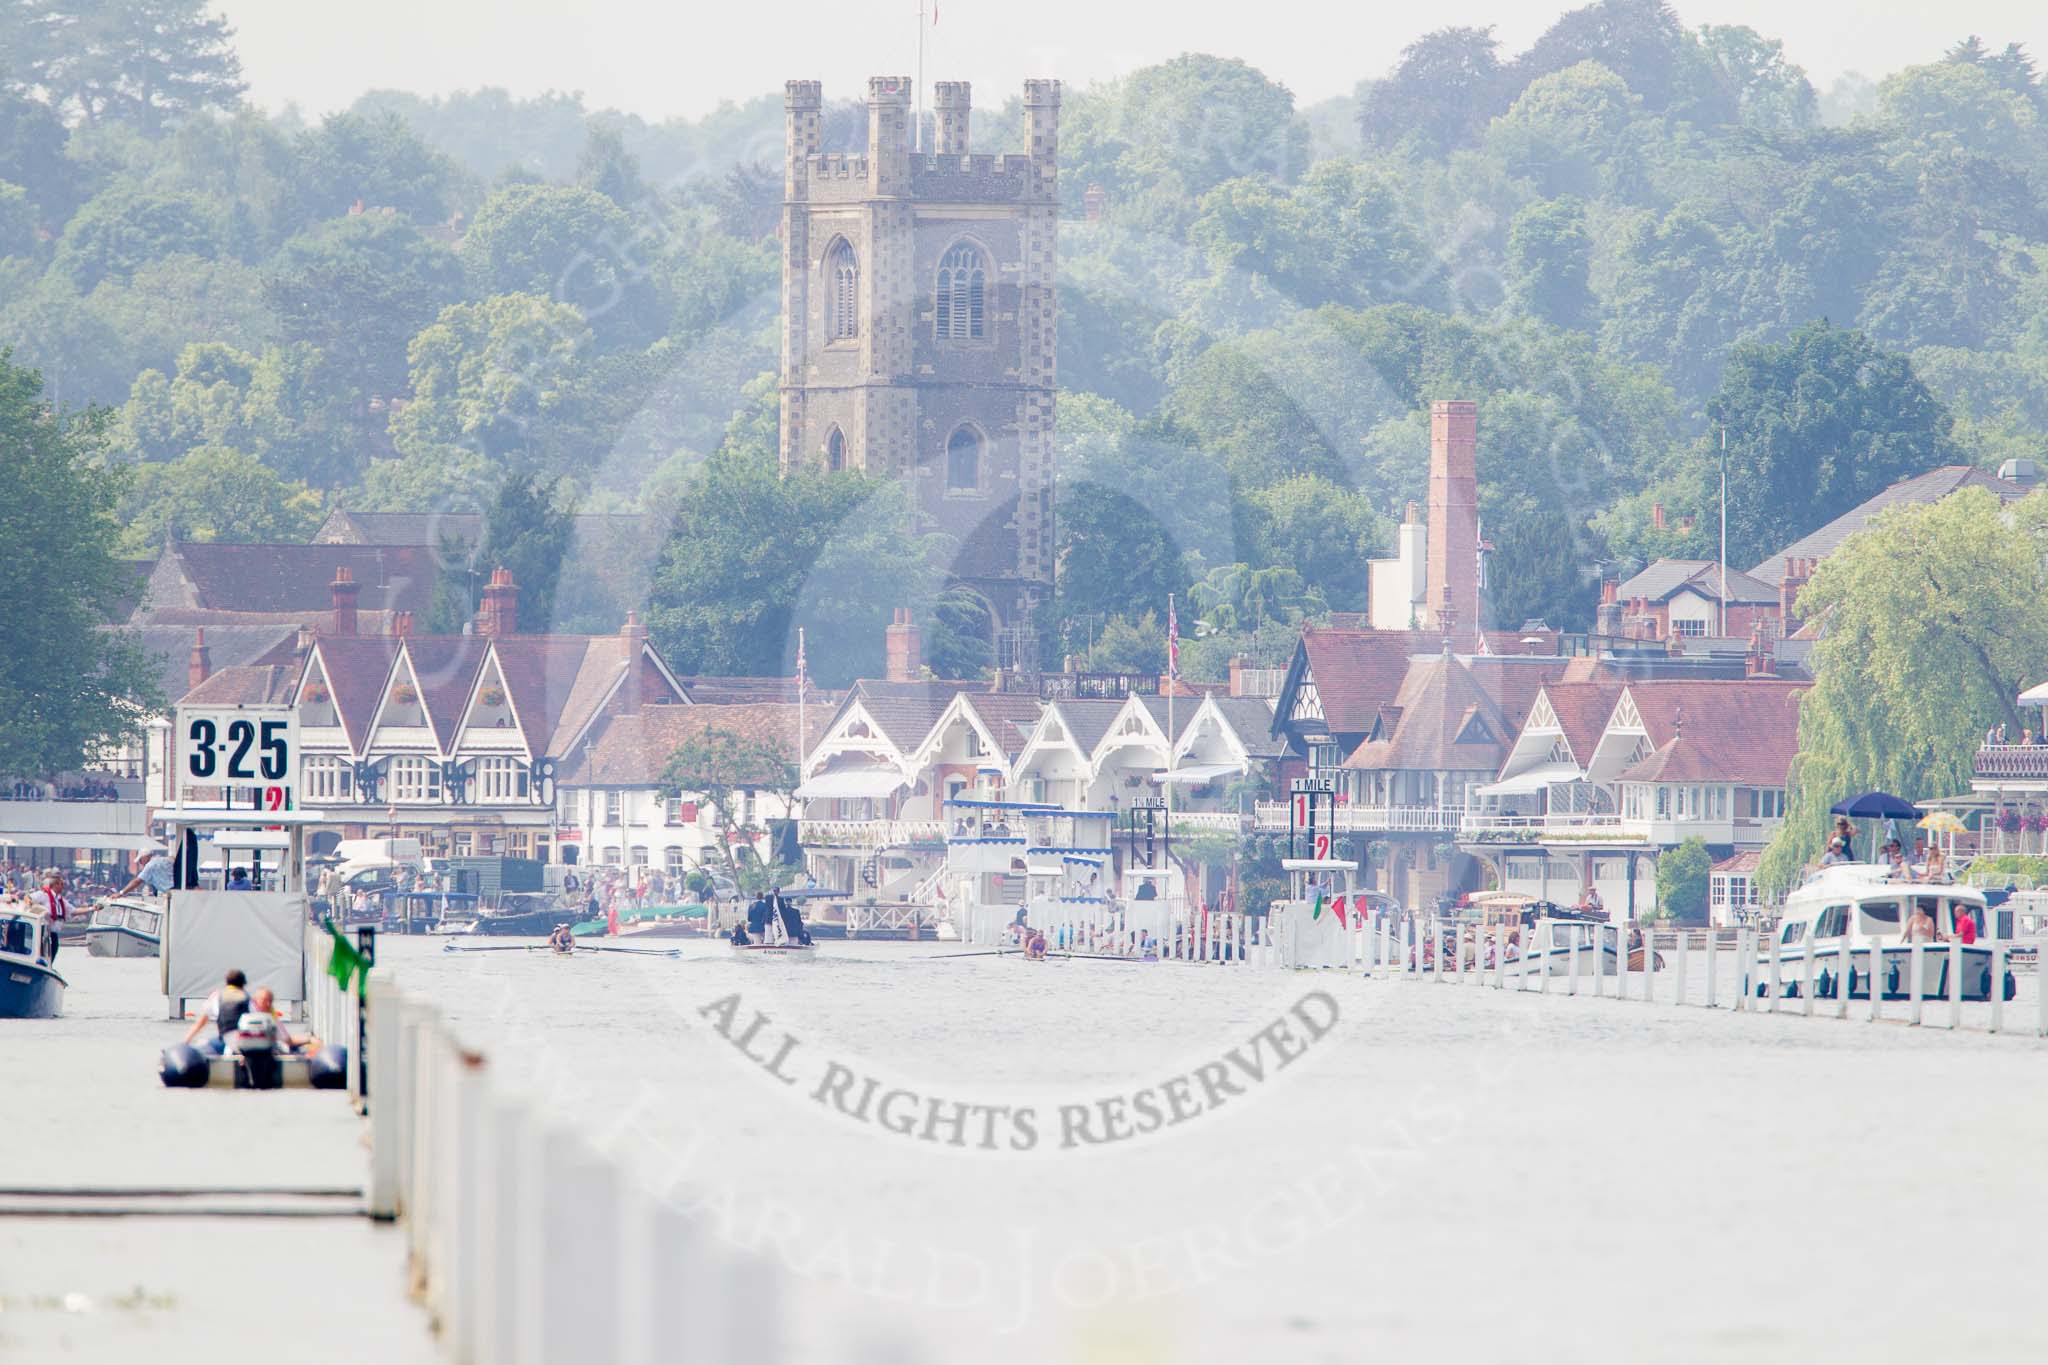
(917, 100)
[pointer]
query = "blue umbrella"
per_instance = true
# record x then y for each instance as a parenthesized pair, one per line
(1876, 806)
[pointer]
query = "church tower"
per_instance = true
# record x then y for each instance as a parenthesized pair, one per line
(919, 326)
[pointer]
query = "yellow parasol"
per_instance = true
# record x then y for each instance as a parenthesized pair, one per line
(1944, 822)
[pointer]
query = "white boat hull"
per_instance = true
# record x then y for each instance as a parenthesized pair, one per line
(119, 940)
(1592, 961)
(1896, 968)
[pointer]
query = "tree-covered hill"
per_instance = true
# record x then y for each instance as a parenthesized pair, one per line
(1620, 242)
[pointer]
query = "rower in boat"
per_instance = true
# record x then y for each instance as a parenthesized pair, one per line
(563, 940)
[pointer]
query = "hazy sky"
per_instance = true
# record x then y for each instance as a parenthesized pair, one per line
(685, 57)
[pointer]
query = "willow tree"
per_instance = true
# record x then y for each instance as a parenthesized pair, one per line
(1932, 623)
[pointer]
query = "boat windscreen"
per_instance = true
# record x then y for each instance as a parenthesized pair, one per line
(1878, 917)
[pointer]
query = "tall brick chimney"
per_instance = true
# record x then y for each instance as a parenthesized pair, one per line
(1797, 572)
(635, 636)
(903, 646)
(200, 667)
(343, 593)
(1238, 664)
(498, 613)
(1453, 523)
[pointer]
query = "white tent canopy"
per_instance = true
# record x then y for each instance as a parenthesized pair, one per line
(1532, 780)
(1197, 774)
(2036, 695)
(852, 783)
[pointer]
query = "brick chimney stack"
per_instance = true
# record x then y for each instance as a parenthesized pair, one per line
(200, 667)
(498, 613)
(1797, 573)
(343, 593)
(1453, 596)
(1238, 664)
(635, 635)
(903, 646)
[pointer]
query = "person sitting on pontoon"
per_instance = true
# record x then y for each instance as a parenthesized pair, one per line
(563, 940)
(1034, 945)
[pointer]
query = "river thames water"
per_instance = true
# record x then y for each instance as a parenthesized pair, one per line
(979, 1158)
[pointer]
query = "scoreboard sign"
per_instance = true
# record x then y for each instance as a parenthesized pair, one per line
(1312, 808)
(230, 755)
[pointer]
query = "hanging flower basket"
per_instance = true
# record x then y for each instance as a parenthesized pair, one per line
(2037, 823)
(317, 693)
(493, 695)
(2009, 821)
(405, 694)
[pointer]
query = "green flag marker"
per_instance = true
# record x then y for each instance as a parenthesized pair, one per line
(345, 963)
(1315, 911)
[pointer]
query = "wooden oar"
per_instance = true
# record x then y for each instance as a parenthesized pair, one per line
(985, 952)
(495, 948)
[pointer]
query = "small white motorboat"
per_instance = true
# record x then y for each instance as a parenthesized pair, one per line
(125, 927)
(29, 986)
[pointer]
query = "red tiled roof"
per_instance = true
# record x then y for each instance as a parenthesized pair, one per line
(293, 578)
(1431, 724)
(1358, 671)
(356, 666)
(245, 685)
(1582, 710)
(1730, 730)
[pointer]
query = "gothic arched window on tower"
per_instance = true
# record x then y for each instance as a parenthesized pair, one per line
(963, 461)
(835, 450)
(842, 292)
(963, 289)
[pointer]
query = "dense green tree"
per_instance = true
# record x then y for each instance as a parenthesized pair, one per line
(604, 165)
(529, 531)
(141, 62)
(356, 162)
(718, 764)
(1961, 103)
(1768, 93)
(358, 289)
(752, 556)
(1682, 877)
(1815, 426)
(571, 245)
(959, 637)
(1549, 261)
(1166, 134)
(1567, 129)
(32, 142)
(126, 226)
(1128, 644)
(1640, 41)
(1440, 95)
(17, 221)
(1933, 628)
(68, 686)
(214, 493)
(497, 378)
(1321, 532)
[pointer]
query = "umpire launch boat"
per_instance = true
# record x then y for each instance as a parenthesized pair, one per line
(29, 986)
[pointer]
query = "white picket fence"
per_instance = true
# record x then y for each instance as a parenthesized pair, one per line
(526, 1243)
(1705, 971)
(1101, 927)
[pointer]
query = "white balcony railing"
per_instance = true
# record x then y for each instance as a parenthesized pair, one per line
(1349, 819)
(869, 833)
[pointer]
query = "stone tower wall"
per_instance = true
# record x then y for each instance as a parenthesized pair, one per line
(897, 392)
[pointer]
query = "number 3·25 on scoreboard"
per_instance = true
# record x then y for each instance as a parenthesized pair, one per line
(224, 751)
